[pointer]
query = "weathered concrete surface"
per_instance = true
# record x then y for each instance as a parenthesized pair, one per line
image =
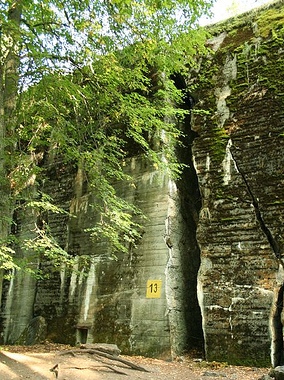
(239, 158)
(146, 301)
(19, 292)
(115, 302)
(142, 300)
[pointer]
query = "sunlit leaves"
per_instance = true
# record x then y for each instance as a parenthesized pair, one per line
(116, 225)
(45, 246)
(95, 88)
(45, 203)
(7, 258)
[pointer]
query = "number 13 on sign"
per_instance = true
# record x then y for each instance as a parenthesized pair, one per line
(154, 288)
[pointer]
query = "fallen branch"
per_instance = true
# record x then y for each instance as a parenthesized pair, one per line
(124, 361)
(55, 370)
(105, 355)
(102, 366)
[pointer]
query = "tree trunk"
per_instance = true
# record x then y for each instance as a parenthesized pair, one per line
(9, 81)
(12, 66)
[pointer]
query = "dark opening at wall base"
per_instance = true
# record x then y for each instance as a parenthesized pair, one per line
(82, 335)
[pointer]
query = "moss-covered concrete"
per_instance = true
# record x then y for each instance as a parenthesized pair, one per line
(239, 160)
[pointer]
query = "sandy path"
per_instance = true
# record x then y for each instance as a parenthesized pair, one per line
(37, 365)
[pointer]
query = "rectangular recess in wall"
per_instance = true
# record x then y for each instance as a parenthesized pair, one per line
(82, 335)
(154, 289)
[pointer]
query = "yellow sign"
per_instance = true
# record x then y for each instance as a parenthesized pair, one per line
(154, 289)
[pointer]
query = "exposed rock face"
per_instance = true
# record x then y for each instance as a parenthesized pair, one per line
(222, 221)
(239, 159)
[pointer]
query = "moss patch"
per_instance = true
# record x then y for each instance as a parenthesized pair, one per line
(271, 21)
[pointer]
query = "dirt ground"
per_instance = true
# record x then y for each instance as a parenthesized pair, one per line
(35, 362)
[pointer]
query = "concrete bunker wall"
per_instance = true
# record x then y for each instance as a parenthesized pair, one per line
(144, 301)
(225, 222)
(239, 159)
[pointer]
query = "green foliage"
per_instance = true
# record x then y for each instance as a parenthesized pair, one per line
(95, 87)
(45, 203)
(46, 247)
(116, 225)
(7, 262)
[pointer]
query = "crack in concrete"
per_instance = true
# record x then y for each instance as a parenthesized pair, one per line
(272, 241)
(276, 319)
